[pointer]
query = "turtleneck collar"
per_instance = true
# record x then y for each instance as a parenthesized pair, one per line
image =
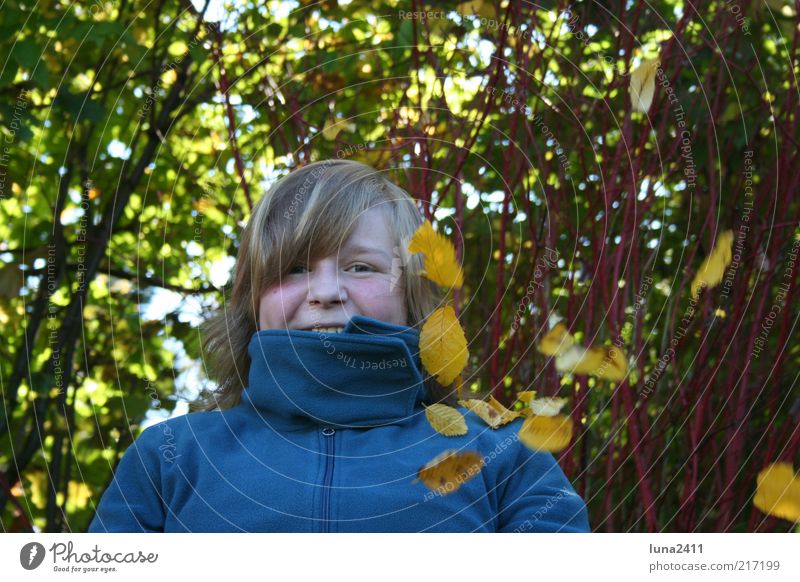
(367, 375)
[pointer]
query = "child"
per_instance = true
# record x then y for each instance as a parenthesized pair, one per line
(318, 424)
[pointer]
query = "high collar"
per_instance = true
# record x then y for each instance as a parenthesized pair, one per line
(367, 375)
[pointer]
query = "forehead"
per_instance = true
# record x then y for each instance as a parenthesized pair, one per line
(371, 234)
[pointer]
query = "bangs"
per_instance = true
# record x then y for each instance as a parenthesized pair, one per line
(314, 214)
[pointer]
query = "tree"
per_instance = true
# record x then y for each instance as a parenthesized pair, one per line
(137, 136)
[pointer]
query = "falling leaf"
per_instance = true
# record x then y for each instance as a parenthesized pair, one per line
(443, 346)
(713, 268)
(608, 363)
(525, 396)
(643, 85)
(778, 492)
(546, 433)
(547, 406)
(441, 265)
(446, 420)
(490, 413)
(555, 341)
(450, 469)
(506, 415)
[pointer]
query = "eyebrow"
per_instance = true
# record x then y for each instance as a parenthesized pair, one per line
(362, 250)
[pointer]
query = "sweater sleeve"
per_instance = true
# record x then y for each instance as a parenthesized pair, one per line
(133, 501)
(538, 497)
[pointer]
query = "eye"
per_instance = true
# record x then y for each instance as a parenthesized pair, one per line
(294, 270)
(363, 266)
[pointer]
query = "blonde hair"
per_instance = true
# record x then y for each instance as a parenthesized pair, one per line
(306, 215)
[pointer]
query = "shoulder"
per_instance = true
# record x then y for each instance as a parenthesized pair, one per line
(194, 426)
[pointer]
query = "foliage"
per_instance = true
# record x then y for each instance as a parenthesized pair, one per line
(136, 136)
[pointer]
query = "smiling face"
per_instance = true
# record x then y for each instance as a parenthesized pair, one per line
(363, 278)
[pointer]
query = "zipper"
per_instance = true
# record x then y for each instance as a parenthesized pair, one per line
(330, 448)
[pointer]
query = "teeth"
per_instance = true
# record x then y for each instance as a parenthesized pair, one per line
(329, 329)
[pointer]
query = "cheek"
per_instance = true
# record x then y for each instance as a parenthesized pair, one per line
(381, 292)
(276, 299)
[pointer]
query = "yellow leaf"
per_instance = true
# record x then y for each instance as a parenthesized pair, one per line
(488, 412)
(525, 396)
(608, 363)
(713, 268)
(441, 265)
(446, 420)
(556, 341)
(547, 406)
(450, 469)
(778, 492)
(443, 346)
(506, 415)
(546, 433)
(643, 85)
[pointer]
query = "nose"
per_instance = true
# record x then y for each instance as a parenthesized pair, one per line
(325, 285)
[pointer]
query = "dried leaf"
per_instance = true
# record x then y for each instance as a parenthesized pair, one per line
(547, 406)
(778, 492)
(713, 268)
(443, 346)
(525, 396)
(546, 433)
(608, 363)
(450, 469)
(494, 415)
(643, 85)
(556, 341)
(506, 415)
(441, 265)
(446, 420)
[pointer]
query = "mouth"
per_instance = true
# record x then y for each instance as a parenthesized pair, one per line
(329, 329)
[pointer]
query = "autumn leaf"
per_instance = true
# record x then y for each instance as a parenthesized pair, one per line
(525, 396)
(643, 85)
(547, 406)
(546, 433)
(449, 470)
(441, 265)
(506, 415)
(555, 341)
(446, 420)
(443, 346)
(778, 492)
(712, 270)
(602, 362)
(494, 415)
(605, 362)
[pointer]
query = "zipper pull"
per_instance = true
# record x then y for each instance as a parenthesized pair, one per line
(328, 431)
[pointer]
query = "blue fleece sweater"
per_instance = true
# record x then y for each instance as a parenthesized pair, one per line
(328, 437)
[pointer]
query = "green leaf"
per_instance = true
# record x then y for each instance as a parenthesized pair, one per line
(27, 53)
(81, 108)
